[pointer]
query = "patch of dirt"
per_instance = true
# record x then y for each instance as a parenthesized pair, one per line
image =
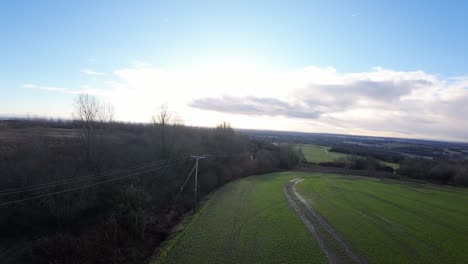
(314, 222)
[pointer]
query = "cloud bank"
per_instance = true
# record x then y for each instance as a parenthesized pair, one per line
(378, 102)
(312, 99)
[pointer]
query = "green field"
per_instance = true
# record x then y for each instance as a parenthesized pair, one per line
(395, 166)
(393, 222)
(246, 221)
(250, 221)
(318, 154)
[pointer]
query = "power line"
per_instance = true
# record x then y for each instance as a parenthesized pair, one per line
(105, 174)
(84, 178)
(183, 186)
(71, 181)
(195, 168)
(226, 155)
(91, 176)
(144, 166)
(85, 186)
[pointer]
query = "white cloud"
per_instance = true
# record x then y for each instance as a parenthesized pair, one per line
(91, 72)
(315, 99)
(45, 88)
(81, 90)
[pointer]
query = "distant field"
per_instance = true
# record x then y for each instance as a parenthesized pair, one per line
(394, 145)
(394, 222)
(250, 221)
(9, 134)
(395, 166)
(318, 154)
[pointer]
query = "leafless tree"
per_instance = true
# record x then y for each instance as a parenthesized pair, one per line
(162, 119)
(86, 109)
(89, 111)
(177, 120)
(106, 113)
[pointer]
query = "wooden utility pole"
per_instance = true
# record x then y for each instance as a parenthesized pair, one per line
(196, 157)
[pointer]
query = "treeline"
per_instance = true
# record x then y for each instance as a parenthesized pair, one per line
(453, 172)
(122, 221)
(440, 171)
(368, 163)
(437, 150)
(364, 151)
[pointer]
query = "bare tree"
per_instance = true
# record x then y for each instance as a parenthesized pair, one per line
(163, 117)
(162, 120)
(106, 113)
(86, 109)
(177, 120)
(89, 111)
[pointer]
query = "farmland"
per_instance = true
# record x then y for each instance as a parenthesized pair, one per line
(249, 221)
(393, 222)
(318, 154)
(392, 165)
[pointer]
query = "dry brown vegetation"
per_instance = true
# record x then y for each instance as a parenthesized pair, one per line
(121, 221)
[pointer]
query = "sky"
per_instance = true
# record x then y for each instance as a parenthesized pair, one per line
(379, 68)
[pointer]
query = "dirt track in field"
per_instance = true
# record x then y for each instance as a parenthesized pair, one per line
(330, 242)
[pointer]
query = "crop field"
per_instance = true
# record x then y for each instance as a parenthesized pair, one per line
(317, 154)
(393, 222)
(395, 166)
(252, 221)
(247, 221)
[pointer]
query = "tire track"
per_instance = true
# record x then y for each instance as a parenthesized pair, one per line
(325, 235)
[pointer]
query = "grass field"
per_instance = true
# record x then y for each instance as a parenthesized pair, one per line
(395, 166)
(249, 221)
(318, 154)
(393, 222)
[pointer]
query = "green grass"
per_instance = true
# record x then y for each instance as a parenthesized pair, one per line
(249, 221)
(246, 221)
(318, 154)
(395, 166)
(393, 222)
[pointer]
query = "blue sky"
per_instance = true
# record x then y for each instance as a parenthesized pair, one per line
(62, 43)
